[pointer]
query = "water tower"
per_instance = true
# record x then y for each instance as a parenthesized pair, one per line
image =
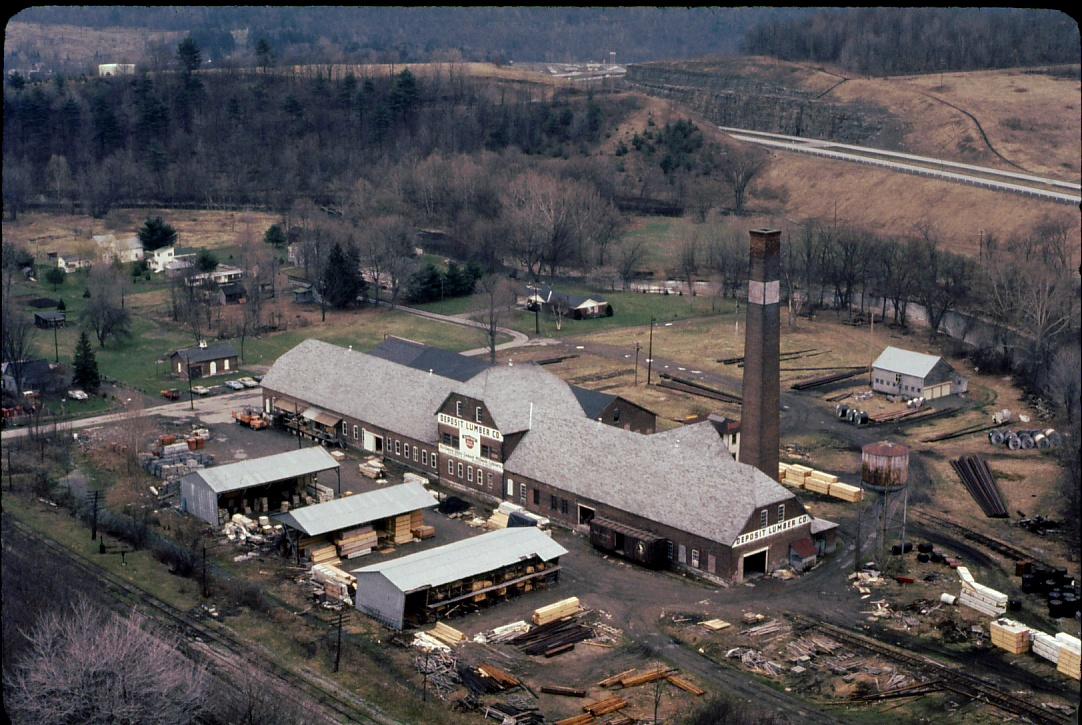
(884, 471)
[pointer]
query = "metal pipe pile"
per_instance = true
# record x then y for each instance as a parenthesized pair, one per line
(1025, 439)
(977, 477)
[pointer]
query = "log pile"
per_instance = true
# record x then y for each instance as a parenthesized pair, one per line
(356, 542)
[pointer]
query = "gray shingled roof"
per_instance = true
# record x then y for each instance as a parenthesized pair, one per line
(684, 478)
(361, 386)
(509, 391)
(426, 357)
(363, 508)
(267, 469)
(465, 558)
(593, 402)
(211, 352)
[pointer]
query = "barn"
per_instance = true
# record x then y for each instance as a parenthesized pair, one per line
(257, 484)
(915, 375)
(476, 571)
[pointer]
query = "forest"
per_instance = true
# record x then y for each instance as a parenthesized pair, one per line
(886, 41)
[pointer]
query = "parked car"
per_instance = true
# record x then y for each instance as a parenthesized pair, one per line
(171, 394)
(234, 384)
(249, 382)
(77, 395)
(200, 390)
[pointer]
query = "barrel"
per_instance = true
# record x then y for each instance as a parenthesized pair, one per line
(922, 558)
(925, 548)
(947, 598)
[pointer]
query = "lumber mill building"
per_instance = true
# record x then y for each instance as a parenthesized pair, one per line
(521, 434)
(422, 587)
(915, 375)
(263, 485)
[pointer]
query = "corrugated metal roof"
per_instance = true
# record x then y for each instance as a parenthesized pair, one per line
(906, 362)
(469, 557)
(684, 478)
(818, 526)
(322, 417)
(268, 469)
(363, 508)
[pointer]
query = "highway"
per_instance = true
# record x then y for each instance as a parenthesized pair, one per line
(993, 179)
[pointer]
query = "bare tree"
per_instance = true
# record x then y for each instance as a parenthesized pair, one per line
(16, 341)
(104, 313)
(739, 167)
(86, 666)
(688, 262)
(499, 295)
(630, 259)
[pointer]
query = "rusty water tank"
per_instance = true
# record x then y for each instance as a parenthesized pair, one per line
(884, 466)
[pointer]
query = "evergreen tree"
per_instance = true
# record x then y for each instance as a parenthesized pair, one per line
(205, 261)
(341, 279)
(425, 285)
(156, 234)
(275, 236)
(188, 55)
(85, 365)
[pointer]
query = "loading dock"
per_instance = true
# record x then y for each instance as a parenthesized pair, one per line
(754, 564)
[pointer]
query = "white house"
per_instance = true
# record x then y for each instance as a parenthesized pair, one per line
(222, 274)
(128, 249)
(69, 264)
(159, 259)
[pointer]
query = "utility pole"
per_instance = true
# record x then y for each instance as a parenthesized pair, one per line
(94, 524)
(650, 353)
(537, 319)
(56, 345)
(206, 592)
(191, 395)
(637, 346)
(338, 651)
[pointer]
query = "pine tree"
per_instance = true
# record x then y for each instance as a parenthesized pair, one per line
(341, 279)
(85, 365)
(155, 234)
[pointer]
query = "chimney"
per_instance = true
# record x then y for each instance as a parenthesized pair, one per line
(762, 332)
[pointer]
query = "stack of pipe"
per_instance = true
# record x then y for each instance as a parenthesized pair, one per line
(977, 477)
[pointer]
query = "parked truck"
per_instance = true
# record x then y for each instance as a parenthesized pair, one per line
(251, 418)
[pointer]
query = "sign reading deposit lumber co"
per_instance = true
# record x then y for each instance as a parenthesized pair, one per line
(469, 441)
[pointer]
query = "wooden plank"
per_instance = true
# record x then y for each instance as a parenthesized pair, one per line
(565, 691)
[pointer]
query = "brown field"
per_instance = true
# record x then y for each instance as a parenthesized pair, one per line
(73, 44)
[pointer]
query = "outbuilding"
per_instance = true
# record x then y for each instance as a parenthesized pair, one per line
(204, 361)
(48, 320)
(262, 484)
(424, 586)
(915, 375)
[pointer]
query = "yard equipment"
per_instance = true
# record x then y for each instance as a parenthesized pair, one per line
(251, 418)
(171, 394)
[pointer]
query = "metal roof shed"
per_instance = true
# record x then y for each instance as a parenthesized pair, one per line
(200, 490)
(382, 588)
(344, 513)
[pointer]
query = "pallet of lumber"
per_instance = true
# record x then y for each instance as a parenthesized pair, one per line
(565, 691)
(417, 519)
(1010, 635)
(686, 685)
(498, 520)
(321, 554)
(424, 532)
(1070, 652)
(446, 634)
(846, 492)
(401, 529)
(604, 707)
(1046, 646)
(556, 611)
(815, 486)
(821, 476)
(715, 625)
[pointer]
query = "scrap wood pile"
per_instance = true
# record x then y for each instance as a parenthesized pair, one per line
(977, 477)
(502, 634)
(826, 484)
(241, 529)
(769, 630)
(336, 584)
(754, 661)
(864, 579)
(440, 670)
(503, 712)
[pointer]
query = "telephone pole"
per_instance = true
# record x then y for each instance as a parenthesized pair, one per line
(338, 651)
(94, 522)
(650, 353)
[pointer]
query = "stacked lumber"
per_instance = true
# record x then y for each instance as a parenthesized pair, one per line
(1047, 646)
(686, 685)
(979, 597)
(846, 492)
(356, 542)
(715, 625)
(325, 554)
(645, 678)
(446, 634)
(503, 680)
(1070, 654)
(401, 529)
(336, 583)
(1010, 635)
(417, 519)
(552, 638)
(372, 467)
(604, 707)
(796, 474)
(816, 486)
(423, 532)
(577, 720)
(615, 679)
(558, 610)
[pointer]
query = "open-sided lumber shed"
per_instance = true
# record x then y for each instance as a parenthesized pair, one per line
(260, 484)
(423, 586)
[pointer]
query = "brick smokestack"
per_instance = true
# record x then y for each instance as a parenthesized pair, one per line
(762, 334)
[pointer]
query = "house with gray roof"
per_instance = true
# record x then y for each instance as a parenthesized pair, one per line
(204, 361)
(915, 375)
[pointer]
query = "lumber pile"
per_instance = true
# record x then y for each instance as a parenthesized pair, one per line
(846, 492)
(372, 467)
(1069, 655)
(423, 532)
(501, 515)
(336, 583)
(400, 529)
(323, 553)
(1010, 635)
(645, 678)
(604, 707)
(563, 609)
(577, 720)
(686, 685)
(552, 638)
(715, 625)
(979, 597)
(503, 680)
(356, 542)
(826, 484)
(977, 477)
(565, 691)
(446, 634)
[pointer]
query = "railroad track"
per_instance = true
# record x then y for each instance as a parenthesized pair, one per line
(229, 651)
(1000, 547)
(957, 681)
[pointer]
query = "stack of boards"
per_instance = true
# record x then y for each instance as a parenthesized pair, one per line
(826, 484)
(1063, 650)
(356, 542)
(337, 584)
(448, 635)
(372, 467)
(1010, 635)
(319, 551)
(559, 610)
(979, 597)
(401, 528)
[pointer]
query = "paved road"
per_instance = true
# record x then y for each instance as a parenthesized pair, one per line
(870, 156)
(215, 409)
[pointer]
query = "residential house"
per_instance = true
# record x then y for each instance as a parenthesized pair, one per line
(39, 376)
(204, 361)
(69, 264)
(126, 250)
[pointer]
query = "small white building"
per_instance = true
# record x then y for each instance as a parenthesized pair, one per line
(222, 274)
(69, 264)
(159, 259)
(915, 375)
(129, 249)
(116, 69)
